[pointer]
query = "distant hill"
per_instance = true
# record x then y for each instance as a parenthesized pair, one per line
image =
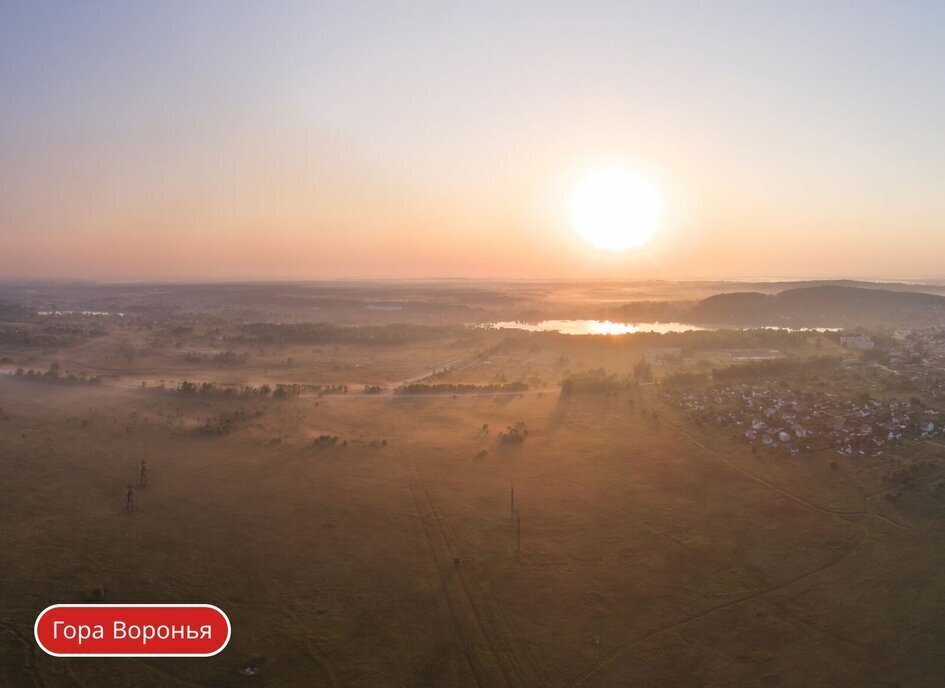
(821, 306)
(769, 287)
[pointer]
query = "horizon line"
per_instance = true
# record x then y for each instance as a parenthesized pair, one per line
(314, 280)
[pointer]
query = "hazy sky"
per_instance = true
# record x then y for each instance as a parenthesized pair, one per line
(281, 140)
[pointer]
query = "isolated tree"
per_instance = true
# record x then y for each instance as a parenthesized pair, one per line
(643, 371)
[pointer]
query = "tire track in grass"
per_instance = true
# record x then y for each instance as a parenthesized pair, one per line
(786, 493)
(513, 677)
(621, 649)
(486, 663)
(456, 613)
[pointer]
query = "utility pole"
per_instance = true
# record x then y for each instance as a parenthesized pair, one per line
(518, 532)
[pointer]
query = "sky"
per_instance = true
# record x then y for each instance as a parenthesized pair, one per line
(280, 140)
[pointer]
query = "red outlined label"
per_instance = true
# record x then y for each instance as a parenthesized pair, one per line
(132, 630)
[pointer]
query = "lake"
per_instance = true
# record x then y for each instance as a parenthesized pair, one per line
(611, 327)
(595, 326)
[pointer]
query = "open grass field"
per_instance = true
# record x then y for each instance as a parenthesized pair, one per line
(472, 345)
(652, 553)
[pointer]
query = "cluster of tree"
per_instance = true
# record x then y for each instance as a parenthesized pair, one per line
(280, 391)
(907, 474)
(462, 388)
(514, 434)
(230, 358)
(595, 382)
(321, 390)
(513, 343)
(54, 374)
(223, 424)
(47, 337)
(178, 333)
(440, 373)
(702, 340)
(373, 389)
(776, 368)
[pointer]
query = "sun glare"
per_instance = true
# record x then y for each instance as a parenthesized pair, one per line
(616, 210)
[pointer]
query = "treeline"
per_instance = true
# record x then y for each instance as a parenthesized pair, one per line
(598, 381)
(458, 388)
(651, 311)
(774, 368)
(55, 375)
(328, 333)
(278, 391)
(700, 340)
(48, 337)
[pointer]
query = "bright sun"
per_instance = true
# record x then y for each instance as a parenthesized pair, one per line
(615, 210)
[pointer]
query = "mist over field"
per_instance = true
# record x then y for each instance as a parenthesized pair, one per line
(472, 345)
(382, 487)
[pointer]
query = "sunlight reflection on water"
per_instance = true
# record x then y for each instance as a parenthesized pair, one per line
(605, 327)
(595, 327)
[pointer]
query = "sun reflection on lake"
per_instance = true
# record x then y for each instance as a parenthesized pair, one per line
(600, 327)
